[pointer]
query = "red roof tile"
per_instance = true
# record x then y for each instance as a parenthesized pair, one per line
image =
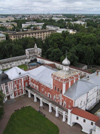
(84, 114)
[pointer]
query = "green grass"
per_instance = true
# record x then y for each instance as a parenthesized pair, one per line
(29, 121)
(23, 67)
(6, 69)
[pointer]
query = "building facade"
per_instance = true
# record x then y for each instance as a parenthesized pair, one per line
(35, 33)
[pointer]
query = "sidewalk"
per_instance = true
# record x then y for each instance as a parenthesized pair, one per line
(10, 107)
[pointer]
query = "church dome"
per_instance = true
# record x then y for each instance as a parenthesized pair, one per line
(66, 62)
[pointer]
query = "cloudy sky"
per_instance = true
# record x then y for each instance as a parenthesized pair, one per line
(49, 6)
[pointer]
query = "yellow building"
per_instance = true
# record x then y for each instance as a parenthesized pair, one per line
(36, 33)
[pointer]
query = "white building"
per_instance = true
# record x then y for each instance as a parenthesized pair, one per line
(85, 119)
(31, 23)
(51, 27)
(71, 31)
(58, 18)
(79, 23)
(2, 37)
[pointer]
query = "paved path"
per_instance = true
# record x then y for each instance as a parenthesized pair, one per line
(24, 101)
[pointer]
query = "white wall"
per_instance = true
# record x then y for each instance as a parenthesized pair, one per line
(81, 102)
(86, 126)
(96, 131)
(91, 98)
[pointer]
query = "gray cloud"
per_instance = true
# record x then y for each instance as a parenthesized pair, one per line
(51, 6)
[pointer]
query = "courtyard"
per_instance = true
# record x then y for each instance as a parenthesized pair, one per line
(29, 121)
(12, 105)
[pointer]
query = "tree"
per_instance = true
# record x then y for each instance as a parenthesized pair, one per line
(88, 55)
(97, 55)
(55, 55)
(72, 56)
(1, 104)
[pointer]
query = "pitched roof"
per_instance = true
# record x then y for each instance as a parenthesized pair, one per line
(79, 88)
(4, 78)
(94, 78)
(42, 74)
(15, 72)
(84, 114)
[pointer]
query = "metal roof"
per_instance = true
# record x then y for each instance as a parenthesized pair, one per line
(12, 59)
(94, 78)
(42, 74)
(4, 78)
(15, 73)
(78, 89)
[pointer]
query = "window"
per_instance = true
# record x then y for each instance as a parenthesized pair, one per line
(69, 106)
(91, 123)
(15, 87)
(64, 104)
(77, 118)
(54, 87)
(58, 89)
(84, 120)
(19, 85)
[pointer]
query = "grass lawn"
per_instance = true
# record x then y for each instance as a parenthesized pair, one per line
(23, 67)
(29, 121)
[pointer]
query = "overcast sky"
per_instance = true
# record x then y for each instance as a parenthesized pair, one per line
(49, 6)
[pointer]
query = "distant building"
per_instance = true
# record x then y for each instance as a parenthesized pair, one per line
(58, 18)
(8, 25)
(79, 23)
(2, 37)
(4, 19)
(31, 23)
(34, 33)
(51, 27)
(71, 31)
